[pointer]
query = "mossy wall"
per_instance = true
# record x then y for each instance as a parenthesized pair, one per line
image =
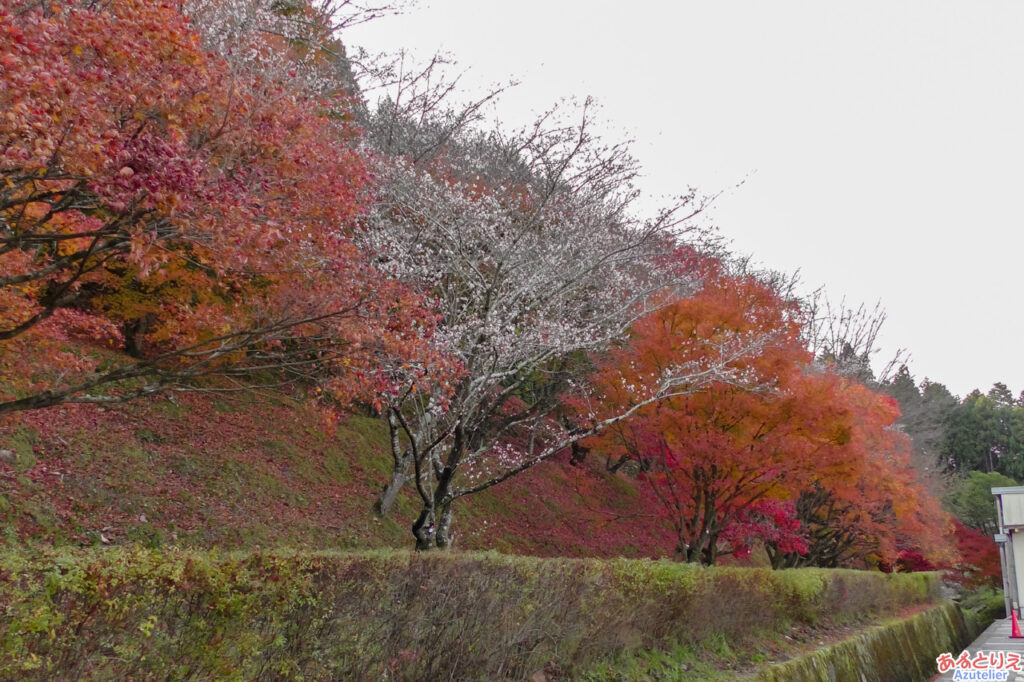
(898, 651)
(129, 613)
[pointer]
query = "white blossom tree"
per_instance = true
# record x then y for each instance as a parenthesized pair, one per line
(530, 249)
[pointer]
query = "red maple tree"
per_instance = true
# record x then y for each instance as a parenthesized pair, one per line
(158, 197)
(803, 463)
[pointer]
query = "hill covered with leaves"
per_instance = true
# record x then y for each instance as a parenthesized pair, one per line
(240, 471)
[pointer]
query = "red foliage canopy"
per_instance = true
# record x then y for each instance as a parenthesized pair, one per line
(164, 198)
(978, 563)
(733, 465)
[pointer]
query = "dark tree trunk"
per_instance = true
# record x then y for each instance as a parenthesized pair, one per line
(433, 527)
(613, 465)
(423, 530)
(134, 332)
(579, 453)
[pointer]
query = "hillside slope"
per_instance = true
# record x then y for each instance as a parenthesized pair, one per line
(247, 470)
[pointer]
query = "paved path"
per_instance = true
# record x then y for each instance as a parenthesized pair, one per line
(995, 638)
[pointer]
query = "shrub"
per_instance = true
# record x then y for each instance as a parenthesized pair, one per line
(147, 614)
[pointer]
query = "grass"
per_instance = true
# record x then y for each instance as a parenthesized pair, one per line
(260, 471)
(21, 444)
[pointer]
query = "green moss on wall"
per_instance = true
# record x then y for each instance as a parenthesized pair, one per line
(898, 651)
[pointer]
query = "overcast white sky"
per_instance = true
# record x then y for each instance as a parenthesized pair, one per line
(882, 143)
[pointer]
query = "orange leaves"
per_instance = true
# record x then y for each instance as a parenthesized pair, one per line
(715, 452)
(714, 455)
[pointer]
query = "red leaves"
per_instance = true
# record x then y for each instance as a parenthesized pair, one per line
(978, 563)
(765, 521)
(163, 189)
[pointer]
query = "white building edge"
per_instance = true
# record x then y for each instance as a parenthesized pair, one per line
(1010, 516)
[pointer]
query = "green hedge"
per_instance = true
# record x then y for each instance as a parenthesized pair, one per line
(129, 613)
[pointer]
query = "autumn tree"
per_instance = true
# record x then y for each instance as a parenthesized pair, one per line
(806, 465)
(977, 564)
(191, 206)
(716, 457)
(878, 508)
(528, 245)
(844, 340)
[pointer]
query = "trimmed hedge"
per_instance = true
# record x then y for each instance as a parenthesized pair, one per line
(129, 613)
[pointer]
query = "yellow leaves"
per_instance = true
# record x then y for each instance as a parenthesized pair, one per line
(77, 50)
(36, 209)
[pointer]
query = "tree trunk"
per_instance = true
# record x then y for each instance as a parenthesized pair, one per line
(777, 558)
(431, 529)
(423, 529)
(690, 552)
(695, 552)
(579, 453)
(711, 550)
(134, 333)
(444, 527)
(402, 461)
(389, 495)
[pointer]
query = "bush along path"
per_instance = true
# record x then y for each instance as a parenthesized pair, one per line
(132, 613)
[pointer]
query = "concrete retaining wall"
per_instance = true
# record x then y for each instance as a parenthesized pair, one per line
(899, 651)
